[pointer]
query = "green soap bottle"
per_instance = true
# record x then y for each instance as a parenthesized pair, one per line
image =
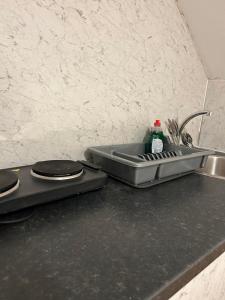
(154, 140)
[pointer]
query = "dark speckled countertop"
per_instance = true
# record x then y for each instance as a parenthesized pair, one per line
(115, 243)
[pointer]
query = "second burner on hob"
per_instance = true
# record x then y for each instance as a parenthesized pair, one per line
(57, 170)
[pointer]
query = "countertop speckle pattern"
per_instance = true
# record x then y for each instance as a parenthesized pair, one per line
(115, 243)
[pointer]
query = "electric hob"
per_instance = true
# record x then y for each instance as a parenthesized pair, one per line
(46, 181)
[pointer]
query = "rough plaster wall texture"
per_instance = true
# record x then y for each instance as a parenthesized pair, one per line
(86, 72)
(213, 128)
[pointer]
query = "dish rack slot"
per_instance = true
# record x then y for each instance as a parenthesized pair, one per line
(157, 156)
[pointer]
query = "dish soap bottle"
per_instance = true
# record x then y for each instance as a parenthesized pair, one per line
(155, 141)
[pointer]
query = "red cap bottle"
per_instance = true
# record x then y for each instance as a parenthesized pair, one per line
(157, 123)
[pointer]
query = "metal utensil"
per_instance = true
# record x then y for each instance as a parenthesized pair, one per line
(187, 139)
(173, 130)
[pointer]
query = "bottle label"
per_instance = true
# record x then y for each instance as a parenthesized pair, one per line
(157, 145)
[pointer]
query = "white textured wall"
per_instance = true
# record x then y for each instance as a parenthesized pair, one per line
(213, 128)
(206, 22)
(75, 73)
(207, 285)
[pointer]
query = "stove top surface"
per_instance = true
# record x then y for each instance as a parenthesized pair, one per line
(33, 191)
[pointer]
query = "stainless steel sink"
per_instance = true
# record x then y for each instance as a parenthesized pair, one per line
(214, 167)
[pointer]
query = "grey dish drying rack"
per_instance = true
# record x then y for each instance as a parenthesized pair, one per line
(130, 164)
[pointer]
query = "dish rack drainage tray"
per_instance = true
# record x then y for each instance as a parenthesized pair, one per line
(130, 164)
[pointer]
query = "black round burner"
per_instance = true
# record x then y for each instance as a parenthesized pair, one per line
(57, 169)
(8, 180)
